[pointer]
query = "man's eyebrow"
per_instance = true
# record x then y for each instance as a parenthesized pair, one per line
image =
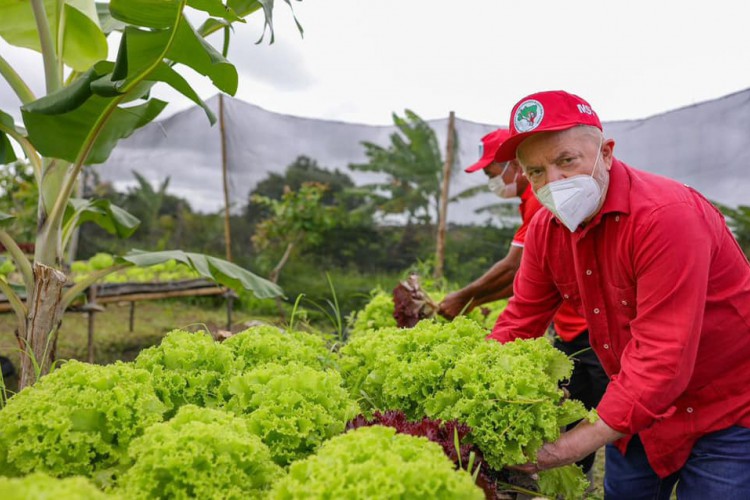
(566, 153)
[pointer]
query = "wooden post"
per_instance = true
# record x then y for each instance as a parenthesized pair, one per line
(227, 226)
(91, 313)
(443, 209)
(230, 295)
(132, 316)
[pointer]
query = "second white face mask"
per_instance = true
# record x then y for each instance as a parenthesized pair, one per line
(497, 186)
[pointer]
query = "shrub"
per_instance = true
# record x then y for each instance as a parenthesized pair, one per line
(292, 407)
(77, 420)
(187, 368)
(200, 453)
(374, 463)
(40, 486)
(267, 344)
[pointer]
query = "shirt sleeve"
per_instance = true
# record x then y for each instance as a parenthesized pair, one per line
(671, 262)
(535, 296)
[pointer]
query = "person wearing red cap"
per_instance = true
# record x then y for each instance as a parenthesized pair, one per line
(665, 290)
(588, 381)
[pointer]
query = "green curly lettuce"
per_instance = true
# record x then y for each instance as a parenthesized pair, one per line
(40, 486)
(376, 463)
(187, 368)
(566, 482)
(292, 407)
(509, 395)
(200, 453)
(377, 313)
(78, 420)
(267, 344)
(401, 369)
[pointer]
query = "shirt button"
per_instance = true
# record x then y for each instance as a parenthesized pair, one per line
(624, 302)
(566, 296)
(596, 310)
(589, 272)
(617, 218)
(606, 346)
(689, 409)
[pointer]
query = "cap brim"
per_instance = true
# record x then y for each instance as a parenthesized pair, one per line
(507, 150)
(480, 165)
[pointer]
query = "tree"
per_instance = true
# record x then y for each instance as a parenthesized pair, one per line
(303, 169)
(738, 220)
(297, 221)
(413, 167)
(80, 120)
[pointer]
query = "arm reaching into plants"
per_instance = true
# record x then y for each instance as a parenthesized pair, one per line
(495, 284)
(585, 438)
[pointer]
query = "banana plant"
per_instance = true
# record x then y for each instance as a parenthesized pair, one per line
(90, 103)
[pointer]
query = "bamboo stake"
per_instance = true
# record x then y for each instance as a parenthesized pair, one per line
(443, 209)
(227, 226)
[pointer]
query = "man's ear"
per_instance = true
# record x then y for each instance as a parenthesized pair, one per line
(608, 150)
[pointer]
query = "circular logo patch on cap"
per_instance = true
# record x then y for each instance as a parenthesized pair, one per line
(528, 116)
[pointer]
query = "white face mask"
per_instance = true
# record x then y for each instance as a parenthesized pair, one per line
(500, 188)
(572, 200)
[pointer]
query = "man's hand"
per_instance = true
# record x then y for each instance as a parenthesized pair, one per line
(572, 446)
(454, 304)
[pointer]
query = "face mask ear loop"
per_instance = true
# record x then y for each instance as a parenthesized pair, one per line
(598, 155)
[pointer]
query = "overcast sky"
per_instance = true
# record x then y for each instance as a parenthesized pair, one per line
(359, 61)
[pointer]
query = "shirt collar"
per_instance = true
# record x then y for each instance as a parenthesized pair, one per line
(618, 192)
(617, 199)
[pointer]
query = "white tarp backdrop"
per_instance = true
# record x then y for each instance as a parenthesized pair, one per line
(704, 146)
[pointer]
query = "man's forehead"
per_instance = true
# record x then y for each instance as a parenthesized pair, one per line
(550, 145)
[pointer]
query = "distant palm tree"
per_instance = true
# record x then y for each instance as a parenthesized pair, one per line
(413, 166)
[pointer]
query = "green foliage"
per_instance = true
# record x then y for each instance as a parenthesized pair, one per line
(18, 196)
(297, 221)
(200, 453)
(402, 369)
(567, 482)
(738, 219)
(376, 463)
(413, 166)
(187, 368)
(292, 407)
(40, 486)
(509, 395)
(170, 270)
(267, 344)
(377, 313)
(302, 170)
(101, 261)
(78, 420)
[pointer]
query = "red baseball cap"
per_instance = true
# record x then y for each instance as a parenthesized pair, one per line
(488, 148)
(545, 112)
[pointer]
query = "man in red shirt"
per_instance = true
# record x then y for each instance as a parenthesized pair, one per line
(665, 290)
(588, 381)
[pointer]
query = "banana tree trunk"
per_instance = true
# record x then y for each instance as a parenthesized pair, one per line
(38, 340)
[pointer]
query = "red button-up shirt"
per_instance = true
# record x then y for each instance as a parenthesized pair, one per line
(665, 290)
(568, 323)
